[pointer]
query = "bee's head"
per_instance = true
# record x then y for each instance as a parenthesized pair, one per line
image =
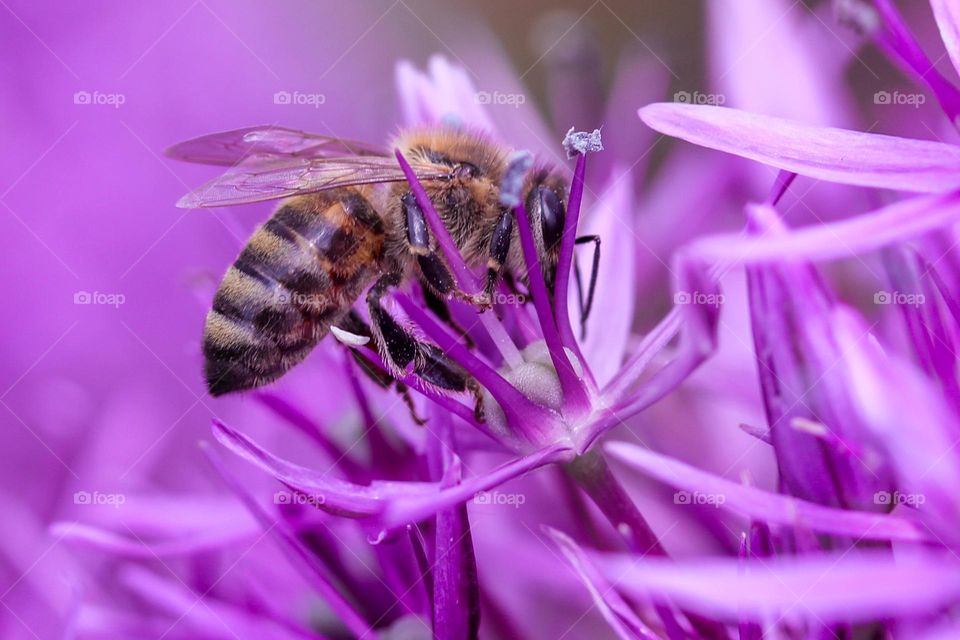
(469, 154)
(546, 204)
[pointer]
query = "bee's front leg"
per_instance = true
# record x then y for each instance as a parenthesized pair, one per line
(433, 270)
(499, 250)
(587, 305)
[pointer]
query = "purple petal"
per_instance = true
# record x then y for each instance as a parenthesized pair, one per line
(835, 155)
(613, 311)
(853, 236)
(120, 545)
(445, 90)
(204, 614)
(796, 352)
(697, 285)
(898, 40)
(947, 13)
(928, 330)
(769, 507)
(909, 415)
(853, 587)
(298, 555)
(456, 596)
(611, 605)
(387, 503)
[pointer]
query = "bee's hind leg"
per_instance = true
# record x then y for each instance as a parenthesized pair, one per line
(440, 371)
(353, 323)
(396, 345)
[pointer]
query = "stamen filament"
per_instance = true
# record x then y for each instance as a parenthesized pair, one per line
(565, 261)
(574, 392)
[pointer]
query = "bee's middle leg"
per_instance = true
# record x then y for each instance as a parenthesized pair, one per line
(399, 347)
(439, 307)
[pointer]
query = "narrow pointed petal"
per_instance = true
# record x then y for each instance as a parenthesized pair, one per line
(898, 40)
(120, 545)
(855, 587)
(796, 353)
(611, 605)
(772, 508)
(834, 155)
(909, 415)
(298, 555)
(842, 239)
(699, 299)
(445, 91)
(203, 614)
(456, 595)
(387, 503)
(947, 13)
(914, 295)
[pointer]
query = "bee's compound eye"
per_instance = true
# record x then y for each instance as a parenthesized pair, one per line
(466, 170)
(552, 215)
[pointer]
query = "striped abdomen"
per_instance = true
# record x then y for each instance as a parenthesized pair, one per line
(299, 274)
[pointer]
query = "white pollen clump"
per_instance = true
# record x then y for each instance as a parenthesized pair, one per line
(347, 338)
(535, 378)
(582, 142)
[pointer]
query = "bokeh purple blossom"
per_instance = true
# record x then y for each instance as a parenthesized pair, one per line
(754, 438)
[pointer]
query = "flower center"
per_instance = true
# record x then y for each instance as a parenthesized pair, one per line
(534, 377)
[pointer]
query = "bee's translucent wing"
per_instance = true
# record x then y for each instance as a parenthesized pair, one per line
(256, 180)
(232, 147)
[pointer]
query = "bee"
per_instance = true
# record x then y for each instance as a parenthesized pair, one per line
(348, 220)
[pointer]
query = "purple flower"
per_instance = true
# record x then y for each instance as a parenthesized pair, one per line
(543, 402)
